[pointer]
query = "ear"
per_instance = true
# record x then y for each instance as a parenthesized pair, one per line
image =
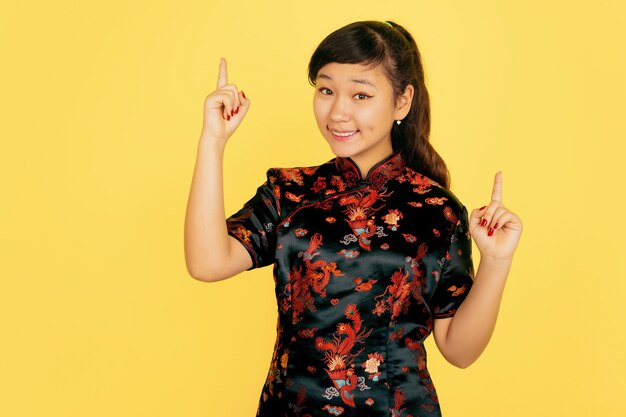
(403, 103)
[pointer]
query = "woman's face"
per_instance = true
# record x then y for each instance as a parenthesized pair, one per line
(355, 110)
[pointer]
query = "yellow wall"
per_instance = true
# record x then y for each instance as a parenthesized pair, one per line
(101, 108)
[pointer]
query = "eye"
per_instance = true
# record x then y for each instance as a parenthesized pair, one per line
(362, 96)
(322, 90)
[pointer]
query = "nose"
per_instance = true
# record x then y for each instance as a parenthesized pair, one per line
(340, 110)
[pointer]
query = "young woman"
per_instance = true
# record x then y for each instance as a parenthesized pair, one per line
(371, 250)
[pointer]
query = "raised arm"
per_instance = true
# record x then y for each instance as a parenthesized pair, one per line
(210, 253)
(496, 231)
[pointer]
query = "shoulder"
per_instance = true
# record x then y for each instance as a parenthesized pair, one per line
(426, 194)
(293, 186)
(299, 177)
(423, 185)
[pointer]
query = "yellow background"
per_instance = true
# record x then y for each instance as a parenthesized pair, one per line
(101, 109)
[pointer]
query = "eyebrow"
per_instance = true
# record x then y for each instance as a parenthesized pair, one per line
(355, 80)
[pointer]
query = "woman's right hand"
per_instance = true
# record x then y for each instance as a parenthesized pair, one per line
(224, 108)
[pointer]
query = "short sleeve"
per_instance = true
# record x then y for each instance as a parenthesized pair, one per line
(457, 274)
(254, 225)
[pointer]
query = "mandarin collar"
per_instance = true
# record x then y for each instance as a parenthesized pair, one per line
(386, 169)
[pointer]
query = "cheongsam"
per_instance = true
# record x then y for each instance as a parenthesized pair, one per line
(361, 268)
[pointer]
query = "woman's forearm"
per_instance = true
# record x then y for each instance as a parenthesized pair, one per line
(469, 331)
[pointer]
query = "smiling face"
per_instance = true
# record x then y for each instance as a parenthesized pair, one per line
(355, 109)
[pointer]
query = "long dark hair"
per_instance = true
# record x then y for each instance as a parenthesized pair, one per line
(372, 43)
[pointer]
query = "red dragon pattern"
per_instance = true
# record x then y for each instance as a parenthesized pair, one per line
(315, 276)
(363, 267)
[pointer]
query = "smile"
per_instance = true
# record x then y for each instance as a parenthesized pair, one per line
(343, 136)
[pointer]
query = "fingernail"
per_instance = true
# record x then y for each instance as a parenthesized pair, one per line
(227, 117)
(243, 94)
(232, 112)
(482, 208)
(237, 110)
(490, 232)
(496, 226)
(483, 223)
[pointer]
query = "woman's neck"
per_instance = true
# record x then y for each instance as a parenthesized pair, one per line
(366, 162)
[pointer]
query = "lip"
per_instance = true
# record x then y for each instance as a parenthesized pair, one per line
(343, 138)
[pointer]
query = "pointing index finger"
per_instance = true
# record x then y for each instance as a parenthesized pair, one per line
(496, 193)
(222, 78)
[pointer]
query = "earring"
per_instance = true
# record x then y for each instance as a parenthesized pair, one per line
(398, 121)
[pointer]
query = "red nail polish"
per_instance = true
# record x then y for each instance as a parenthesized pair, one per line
(482, 208)
(232, 112)
(490, 232)
(243, 94)
(495, 227)
(237, 110)
(227, 117)
(483, 223)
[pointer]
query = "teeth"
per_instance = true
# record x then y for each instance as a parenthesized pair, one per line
(344, 134)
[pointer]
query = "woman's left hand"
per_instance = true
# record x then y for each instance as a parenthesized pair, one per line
(495, 229)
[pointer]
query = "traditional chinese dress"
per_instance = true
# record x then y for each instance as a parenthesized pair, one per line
(362, 266)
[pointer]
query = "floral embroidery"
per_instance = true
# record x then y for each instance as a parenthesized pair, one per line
(291, 175)
(371, 365)
(360, 207)
(336, 181)
(355, 281)
(319, 185)
(392, 218)
(339, 354)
